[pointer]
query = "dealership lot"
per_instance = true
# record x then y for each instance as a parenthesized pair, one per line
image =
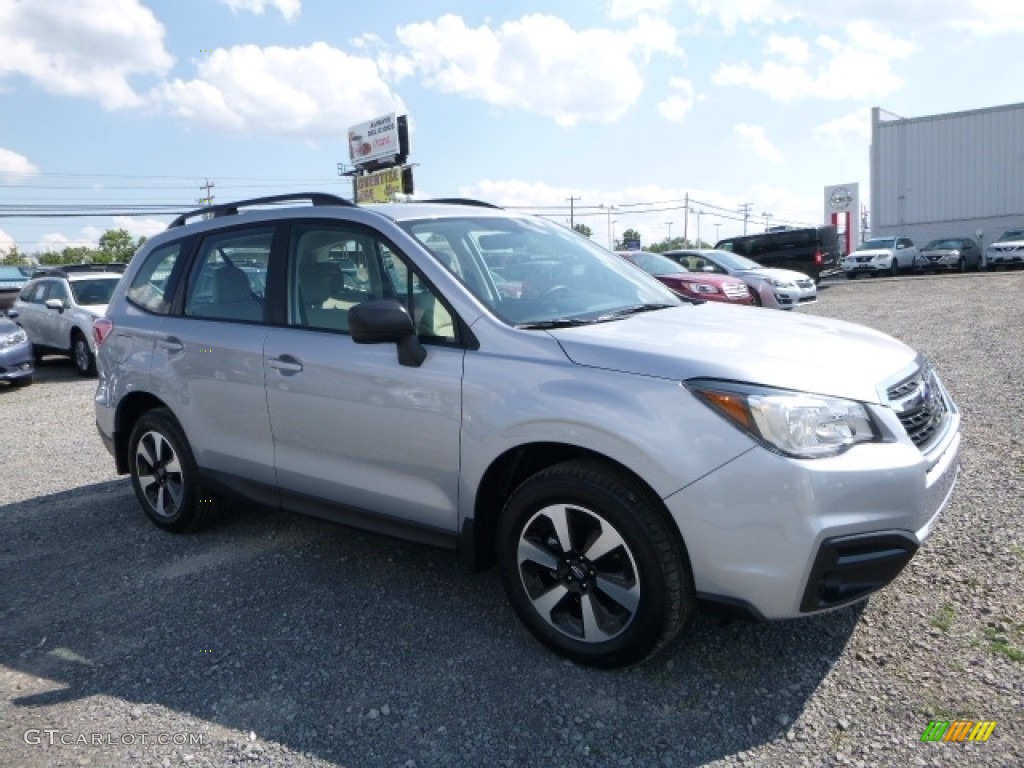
(278, 640)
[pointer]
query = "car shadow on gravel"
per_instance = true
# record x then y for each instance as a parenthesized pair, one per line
(358, 649)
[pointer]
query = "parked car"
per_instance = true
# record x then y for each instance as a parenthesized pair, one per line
(692, 285)
(1007, 250)
(12, 280)
(775, 288)
(811, 250)
(17, 363)
(881, 255)
(57, 309)
(622, 454)
(954, 253)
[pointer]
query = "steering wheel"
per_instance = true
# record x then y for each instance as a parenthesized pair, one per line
(553, 291)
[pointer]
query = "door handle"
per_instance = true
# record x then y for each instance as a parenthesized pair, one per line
(171, 344)
(285, 364)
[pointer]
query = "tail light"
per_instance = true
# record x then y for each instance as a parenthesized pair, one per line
(101, 328)
(819, 258)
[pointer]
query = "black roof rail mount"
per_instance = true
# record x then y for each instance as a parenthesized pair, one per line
(459, 201)
(231, 209)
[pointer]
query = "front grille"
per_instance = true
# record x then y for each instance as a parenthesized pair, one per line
(863, 259)
(736, 291)
(920, 404)
(805, 283)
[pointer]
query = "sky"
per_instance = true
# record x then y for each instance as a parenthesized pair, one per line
(610, 113)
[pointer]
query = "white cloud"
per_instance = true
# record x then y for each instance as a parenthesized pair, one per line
(979, 17)
(852, 130)
(792, 49)
(136, 227)
(624, 9)
(6, 242)
(677, 106)
(55, 241)
(288, 8)
(537, 63)
(312, 91)
(14, 167)
(87, 48)
(755, 138)
(859, 68)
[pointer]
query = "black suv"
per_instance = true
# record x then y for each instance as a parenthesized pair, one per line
(813, 251)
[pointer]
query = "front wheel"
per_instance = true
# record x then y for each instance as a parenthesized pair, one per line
(85, 361)
(592, 566)
(894, 269)
(164, 473)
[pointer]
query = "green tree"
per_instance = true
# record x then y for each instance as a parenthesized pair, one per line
(584, 230)
(115, 245)
(630, 234)
(14, 257)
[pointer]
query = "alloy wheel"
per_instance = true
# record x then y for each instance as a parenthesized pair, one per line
(159, 473)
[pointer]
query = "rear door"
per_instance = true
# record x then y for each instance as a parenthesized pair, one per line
(354, 430)
(208, 358)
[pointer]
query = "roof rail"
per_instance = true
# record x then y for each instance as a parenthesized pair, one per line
(231, 209)
(458, 201)
(63, 270)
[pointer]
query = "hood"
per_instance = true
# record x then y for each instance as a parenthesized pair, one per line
(790, 275)
(699, 277)
(715, 340)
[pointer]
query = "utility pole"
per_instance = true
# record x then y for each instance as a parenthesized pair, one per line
(718, 226)
(611, 235)
(745, 210)
(669, 224)
(767, 218)
(206, 200)
(572, 218)
(699, 214)
(686, 218)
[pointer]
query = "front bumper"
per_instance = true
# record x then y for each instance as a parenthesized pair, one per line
(787, 298)
(782, 537)
(16, 362)
(872, 264)
(1015, 256)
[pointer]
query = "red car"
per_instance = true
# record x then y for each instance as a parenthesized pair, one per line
(692, 285)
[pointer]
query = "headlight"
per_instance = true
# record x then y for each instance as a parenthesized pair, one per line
(796, 424)
(18, 337)
(701, 288)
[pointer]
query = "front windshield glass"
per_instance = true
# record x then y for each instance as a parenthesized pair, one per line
(97, 290)
(1013, 234)
(732, 260)
(529, 271)
(943, 245)
(656, 264)
(877, 244)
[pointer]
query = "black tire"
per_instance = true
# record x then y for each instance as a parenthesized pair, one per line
(81, 354)
(851, 275)
(164, 473)
(638, 589)
(894, 268)
(756, 297)
(24, 381)
(962, 264)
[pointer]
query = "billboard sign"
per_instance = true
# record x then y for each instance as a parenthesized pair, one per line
(382, 186)
(374, 141)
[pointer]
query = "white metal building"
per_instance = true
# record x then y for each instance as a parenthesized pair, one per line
(949, 175)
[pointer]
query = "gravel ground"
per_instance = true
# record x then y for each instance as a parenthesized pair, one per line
(283, 641)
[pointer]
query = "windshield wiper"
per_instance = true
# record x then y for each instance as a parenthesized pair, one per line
(558, 322)
(634, 310)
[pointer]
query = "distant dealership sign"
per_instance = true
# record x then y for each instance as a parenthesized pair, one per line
(374, 141)
(382, 186)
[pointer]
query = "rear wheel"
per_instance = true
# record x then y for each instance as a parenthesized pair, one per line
(851, 275)
(85, 361)
(164, 473)
(592, 566)
(756, 296)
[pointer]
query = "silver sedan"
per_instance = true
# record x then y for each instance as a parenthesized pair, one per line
(773, 288)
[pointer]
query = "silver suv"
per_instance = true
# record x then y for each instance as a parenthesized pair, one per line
(497, 384)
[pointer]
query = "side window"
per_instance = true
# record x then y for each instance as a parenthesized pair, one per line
(33, 293)
(149, 288)
(333, 268)
(228, 275)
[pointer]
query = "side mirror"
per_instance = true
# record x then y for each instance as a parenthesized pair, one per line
(380, 321)
(13, 314)
(54, 304)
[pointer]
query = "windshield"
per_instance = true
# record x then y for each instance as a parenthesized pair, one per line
(529, 271)
(879, 243)
(94, 290)
(1013, 234)
(656, 264)
(731, 260)
(944, 245)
